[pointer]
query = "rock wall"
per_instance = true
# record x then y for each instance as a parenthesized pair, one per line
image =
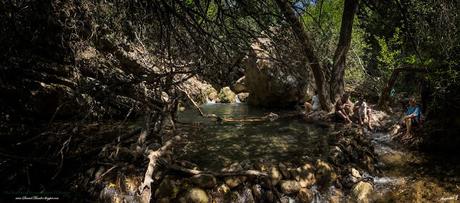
(276, 75)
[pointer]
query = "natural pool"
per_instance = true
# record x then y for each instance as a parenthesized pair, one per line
(214, 144)
(405, 176)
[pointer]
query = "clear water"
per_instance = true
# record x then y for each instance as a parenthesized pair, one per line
(406, 176)
(215, 144)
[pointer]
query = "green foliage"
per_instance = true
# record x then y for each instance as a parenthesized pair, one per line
(390, 53)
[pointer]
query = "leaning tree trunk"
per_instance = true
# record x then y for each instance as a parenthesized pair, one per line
(338, 69)
(307, 48)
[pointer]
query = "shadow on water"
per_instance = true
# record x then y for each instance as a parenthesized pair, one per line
(218, 144)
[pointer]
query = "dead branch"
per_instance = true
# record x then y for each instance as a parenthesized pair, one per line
(220, 174)
(145, 188)
(198, 108)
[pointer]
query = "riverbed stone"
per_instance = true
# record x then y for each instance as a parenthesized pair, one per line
(284, 170)
(196, 195)
(226, 95)
(233, 167)
(275, 175)
(233, 182)
(167, 188)
(305, 195)
(325, 174)
(307, 178)
(295, 173)
(204, 180)
(361, 191)
(289, 186)
(223, 188)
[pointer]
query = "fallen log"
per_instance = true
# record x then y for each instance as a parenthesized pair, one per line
(145, 189)
(217, 174)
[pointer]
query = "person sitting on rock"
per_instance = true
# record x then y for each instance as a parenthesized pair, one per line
(411, 116)
(314, 105)
(363, 112)
(344, 108)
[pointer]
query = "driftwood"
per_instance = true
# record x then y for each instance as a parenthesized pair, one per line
(217, 174)
(146, 188)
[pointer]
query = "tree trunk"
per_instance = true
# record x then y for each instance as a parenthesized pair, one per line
(382, 104)
(313, 61)
(338, 69)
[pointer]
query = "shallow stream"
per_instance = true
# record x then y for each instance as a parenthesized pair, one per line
(405, 176)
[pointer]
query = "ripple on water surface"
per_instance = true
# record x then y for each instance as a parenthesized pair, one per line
(216, 145)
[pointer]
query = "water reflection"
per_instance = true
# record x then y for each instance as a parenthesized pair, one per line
(216, 144)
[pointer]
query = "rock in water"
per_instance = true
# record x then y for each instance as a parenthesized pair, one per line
(204, 180)
(289, 186)
(227, 96)
(275, 79)
(361, 191)
(196, 195)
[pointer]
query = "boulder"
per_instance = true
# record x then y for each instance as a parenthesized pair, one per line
(204, 180)
(243, 97)
(196, 195)
(361, 191)
(240, 85)
(167, 188)
(227, 96)
(289, 186)
(307, 176)
(199, 90)
(275, 79)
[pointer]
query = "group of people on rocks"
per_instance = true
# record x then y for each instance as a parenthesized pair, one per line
(360, 112)
(345, 110)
